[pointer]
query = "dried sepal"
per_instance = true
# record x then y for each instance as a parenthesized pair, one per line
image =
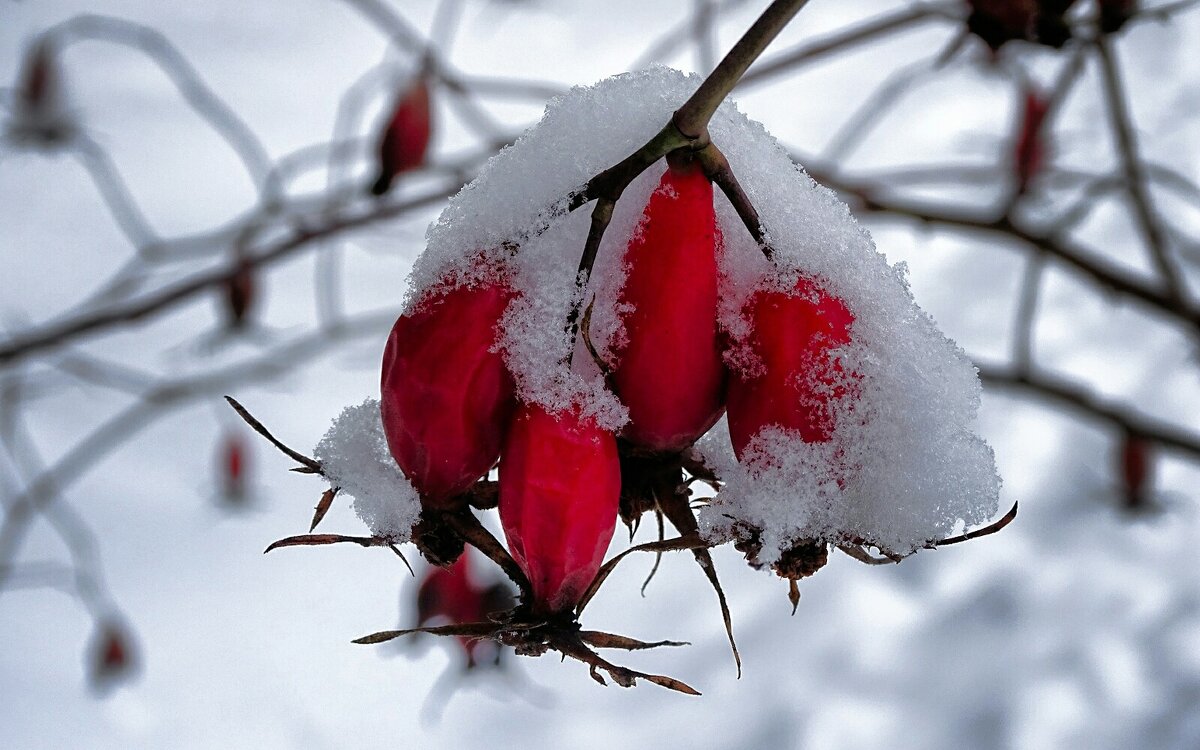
(690, 541)
(991, 528)
(312, 465)
(597, 639)
(323, 506)
(316, 540)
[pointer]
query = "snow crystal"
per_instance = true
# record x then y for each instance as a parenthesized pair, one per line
(354, 456)
(902, 468)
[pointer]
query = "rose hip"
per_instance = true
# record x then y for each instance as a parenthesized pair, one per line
(560, 482)
(793, 335)
(669, 372)
(446, 394)
(406, 137)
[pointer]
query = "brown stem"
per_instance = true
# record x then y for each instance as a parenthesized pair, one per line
(717, 168)
(468, 527)
(692, 118)
(675, 506)
(690, 541)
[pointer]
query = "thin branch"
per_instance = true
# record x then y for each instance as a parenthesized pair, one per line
(1079, 399)
(1099, 270)
(1135, 178)
(470, 530)
(692, 118)
(1023, 328)
(838, 42)
(156, 404)
(717, 168)
(186, 78)
(54, 334)
(121, 204)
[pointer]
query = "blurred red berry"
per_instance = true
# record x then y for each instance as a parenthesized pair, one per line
(1029, 155)
(450, 594)
(1135, 472)
(406, 136)
(792, 335)
(233, 467)
(446, 395)
(39, 112)
(1114, 14)
(39, 78)
(669, 371)
(111, 655)
(239, 294)
(999, 21)
(560, 482)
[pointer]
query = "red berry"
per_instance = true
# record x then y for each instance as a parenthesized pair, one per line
(560, 482)
(792, 335)
(1030, 153)
(39, 78)
(233, 458)
(446, 394)
(406, 137)
(1135, 471)
(239, 294)
(112, 656)
(669, 372)
(449, 593)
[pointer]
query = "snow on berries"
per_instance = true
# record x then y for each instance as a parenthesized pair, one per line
(911, 469)
(598, 389)
(354, 457)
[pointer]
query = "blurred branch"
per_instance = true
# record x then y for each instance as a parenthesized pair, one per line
(869, 197)
(1135, 178)
(843, 41)
(124, 209)
(42, 490)
(186, 78)
(1078, 399)
(55, 334)
(692, 118)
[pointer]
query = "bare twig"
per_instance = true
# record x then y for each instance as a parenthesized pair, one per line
(54, 334)
(840, 41)
(1135, 178)
(1076, 398)
(692, 118)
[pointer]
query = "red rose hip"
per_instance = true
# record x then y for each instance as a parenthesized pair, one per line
(793, 335)
(406, 137)
(446, 395)
(669, 371)
(560, 484)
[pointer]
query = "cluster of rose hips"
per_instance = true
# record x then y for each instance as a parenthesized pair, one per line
(451, 410)
(1043, 22)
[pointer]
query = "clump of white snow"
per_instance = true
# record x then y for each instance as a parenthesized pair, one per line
(354, 456)
(903, 467)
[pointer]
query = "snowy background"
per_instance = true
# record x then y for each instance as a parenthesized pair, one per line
(1078, 625)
